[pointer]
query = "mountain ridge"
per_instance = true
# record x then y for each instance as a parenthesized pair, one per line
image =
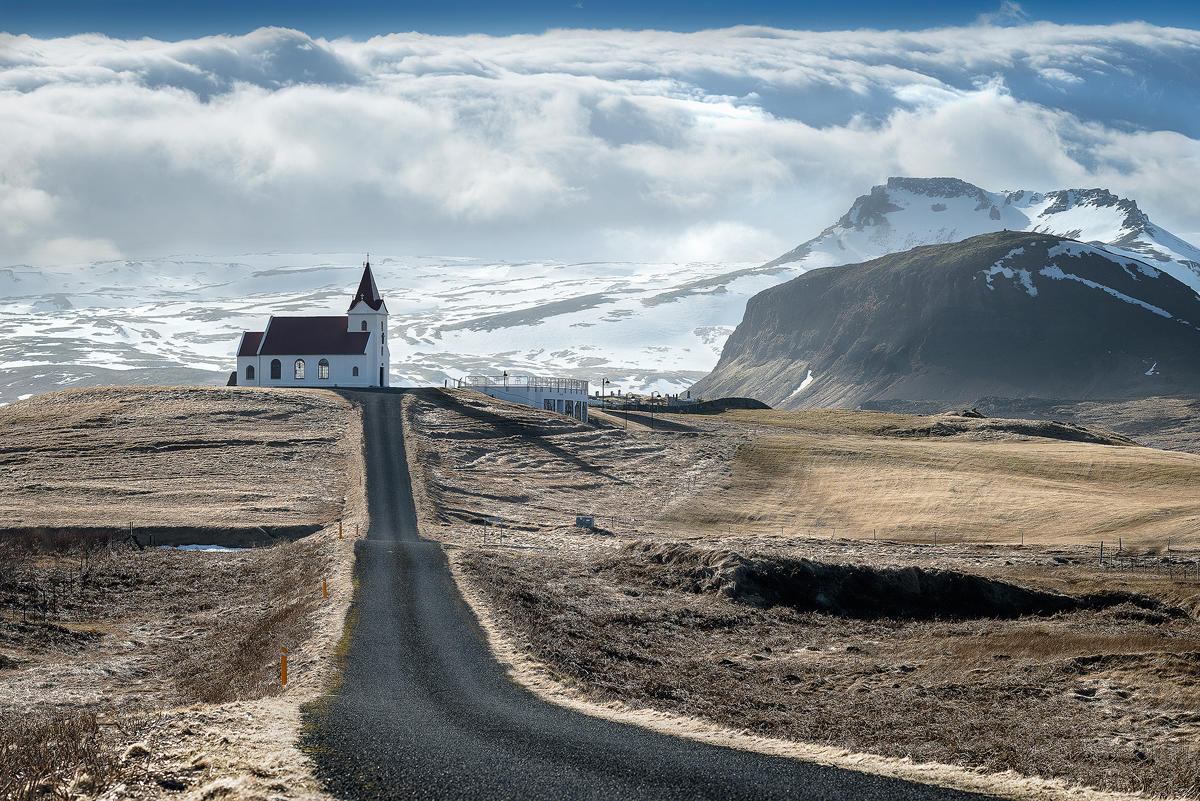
(907, 212)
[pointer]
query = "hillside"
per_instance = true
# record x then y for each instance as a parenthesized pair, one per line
(1008, 315)
(174, 457)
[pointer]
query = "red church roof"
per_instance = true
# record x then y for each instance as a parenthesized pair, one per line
(298, 336)
(367, 292)
(250, 343)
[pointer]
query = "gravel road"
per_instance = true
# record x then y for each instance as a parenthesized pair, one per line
(423, 710)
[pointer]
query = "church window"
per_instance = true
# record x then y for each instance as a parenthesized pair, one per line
(364, 325)
(356, 372)
(276, 369)
(323, 368)
(249, 372)
(299, 369)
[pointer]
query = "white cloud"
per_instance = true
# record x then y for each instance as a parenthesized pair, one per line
(721, 241)
(716, 144)
(1009, 13)
(72, 250)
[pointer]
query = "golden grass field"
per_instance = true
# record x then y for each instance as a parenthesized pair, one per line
(858, 474)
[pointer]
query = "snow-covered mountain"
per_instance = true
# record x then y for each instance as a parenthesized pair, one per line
(908, 212)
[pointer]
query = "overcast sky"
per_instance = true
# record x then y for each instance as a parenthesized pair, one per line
(731, 144)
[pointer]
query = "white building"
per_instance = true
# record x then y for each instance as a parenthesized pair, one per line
(344, 351)
(563, 395)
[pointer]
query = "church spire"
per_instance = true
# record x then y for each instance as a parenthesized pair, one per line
(367, 291)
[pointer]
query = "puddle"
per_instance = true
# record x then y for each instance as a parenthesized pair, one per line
(218, 548)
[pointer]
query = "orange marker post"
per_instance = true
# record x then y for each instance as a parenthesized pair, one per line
(283, 665)
(324, 589)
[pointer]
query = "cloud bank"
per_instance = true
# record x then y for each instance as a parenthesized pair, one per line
(727, 144)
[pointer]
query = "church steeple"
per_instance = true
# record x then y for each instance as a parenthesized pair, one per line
(367, 292)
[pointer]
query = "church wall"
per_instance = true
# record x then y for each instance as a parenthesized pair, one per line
(341, 371)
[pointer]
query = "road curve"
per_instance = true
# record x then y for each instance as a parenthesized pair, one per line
(423, 710)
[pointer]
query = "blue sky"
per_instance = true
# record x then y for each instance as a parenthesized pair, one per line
(292, 127)
(174, 20)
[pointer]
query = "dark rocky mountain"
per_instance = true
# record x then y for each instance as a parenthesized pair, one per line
(1008, 314)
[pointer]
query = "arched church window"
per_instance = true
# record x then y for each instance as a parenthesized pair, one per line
(356, 372)
(364, 326)
(276, 369)
(249, 372)
(323, 368)
(299, 374)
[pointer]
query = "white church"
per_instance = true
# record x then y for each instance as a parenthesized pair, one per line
(350, 350)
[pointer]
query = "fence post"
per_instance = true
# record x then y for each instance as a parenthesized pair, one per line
(1102, 553)
(283, 666)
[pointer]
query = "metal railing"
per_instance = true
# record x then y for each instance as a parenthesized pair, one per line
(509, 383)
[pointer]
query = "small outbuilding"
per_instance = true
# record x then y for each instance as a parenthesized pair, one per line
(567, 396)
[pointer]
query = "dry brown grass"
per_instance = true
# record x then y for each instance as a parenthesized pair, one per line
(1102, 697)
(129, 629)
(180, 456)
(1028, 695)
(156, 626)
(241, 659)
(54, 753)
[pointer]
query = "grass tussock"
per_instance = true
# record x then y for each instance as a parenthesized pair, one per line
(52, 753)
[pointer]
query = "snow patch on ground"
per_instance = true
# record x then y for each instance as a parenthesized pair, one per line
(1055, 272)
(808, 379)
(1000, 268)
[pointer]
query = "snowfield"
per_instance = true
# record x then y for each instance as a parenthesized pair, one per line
(645, 327)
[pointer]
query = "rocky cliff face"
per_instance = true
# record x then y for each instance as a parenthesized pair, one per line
(1008, 314)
